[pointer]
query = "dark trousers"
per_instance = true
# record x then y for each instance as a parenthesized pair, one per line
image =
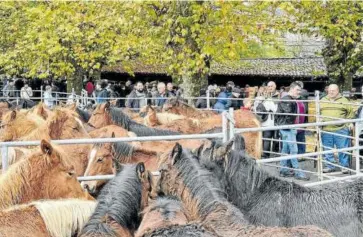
(300, 137)
(267, 143)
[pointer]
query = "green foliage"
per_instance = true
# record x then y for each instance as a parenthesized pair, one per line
(340, 23)
(76, 39)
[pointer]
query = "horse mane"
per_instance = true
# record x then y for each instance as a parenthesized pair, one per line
(84, 115)
(257, 177)
(202, 185)
(193, 229)
(16, 178)
(122, 152)
(65, 217)
(168, 206)
(121, 119)
(120, 199)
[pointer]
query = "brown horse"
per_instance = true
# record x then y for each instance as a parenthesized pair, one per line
(243, 119)
(176, 106)
(106, 158)
(120, 203)
(15, 154)
(204, 199)
(17, 124)
(44, 174)
(164, 212)
(108, 130)
(40, 110)
(50, 218)
(64, 124)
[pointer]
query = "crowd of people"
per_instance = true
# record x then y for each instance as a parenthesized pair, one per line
(286, 106)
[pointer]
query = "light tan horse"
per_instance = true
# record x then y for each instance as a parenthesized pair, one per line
(44, 174)
(47, 218)
(64, 124)
(17, 124)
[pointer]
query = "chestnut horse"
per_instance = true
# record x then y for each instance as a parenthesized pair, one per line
(44, 174)
(15, 154)
(203, 197)
(213, 123)
(47, 218)
(105, 157)
(17, 124)
(120, 203)
(175, 106)
(105, 115)
(64, 124)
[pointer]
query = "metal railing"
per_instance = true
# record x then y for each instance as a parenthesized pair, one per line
(228, 130)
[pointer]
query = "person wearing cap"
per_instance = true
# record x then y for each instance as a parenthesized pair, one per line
(223, 100)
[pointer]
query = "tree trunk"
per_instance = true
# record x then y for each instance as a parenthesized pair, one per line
(75, 82)
(192, 86)
(348, 81)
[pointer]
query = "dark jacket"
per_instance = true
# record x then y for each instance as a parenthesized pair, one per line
(223, 102)
(286, 107)
(102, 96)
(133, 102)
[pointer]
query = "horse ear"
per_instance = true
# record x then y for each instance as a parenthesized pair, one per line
(13, 115)
(113, 135)
(107, 105)
(46, 147)
(140, 169)
(198, 151)
(176, 153)
(239, 143)
(224, 149)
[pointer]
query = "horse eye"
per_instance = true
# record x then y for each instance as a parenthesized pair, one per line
(71, 173)
(100, 159)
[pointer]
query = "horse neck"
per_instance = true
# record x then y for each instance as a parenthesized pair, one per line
(236, 173)
(37, 134)
(13, 184)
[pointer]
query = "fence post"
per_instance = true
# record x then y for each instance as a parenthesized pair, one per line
(231, 124)
(224, 126)
(4, 158)
(356, 151)
(56, 99)
(208, 100)
(318, 132)
(41, 93)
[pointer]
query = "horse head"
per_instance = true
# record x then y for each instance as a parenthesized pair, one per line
(100, 162)
(101, 116)
(64, 124)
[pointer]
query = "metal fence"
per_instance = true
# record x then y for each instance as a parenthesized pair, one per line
(228, 130)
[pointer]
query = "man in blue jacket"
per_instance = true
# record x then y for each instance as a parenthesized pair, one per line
(223, 101)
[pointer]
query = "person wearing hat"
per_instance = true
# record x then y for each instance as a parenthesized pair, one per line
(223, 100)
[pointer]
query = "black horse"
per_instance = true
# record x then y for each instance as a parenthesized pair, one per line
(120, 203)
(271, 201)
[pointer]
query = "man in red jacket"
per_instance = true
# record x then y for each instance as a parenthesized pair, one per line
(90, 88)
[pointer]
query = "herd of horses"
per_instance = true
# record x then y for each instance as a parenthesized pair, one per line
(205, 187)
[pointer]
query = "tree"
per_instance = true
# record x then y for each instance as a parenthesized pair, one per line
(340, 23)
(200, 33)
(71, 39)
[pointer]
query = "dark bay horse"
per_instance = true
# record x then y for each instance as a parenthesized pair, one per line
(105, 115)
(256, 192)
(198, 188)
(120, 203)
